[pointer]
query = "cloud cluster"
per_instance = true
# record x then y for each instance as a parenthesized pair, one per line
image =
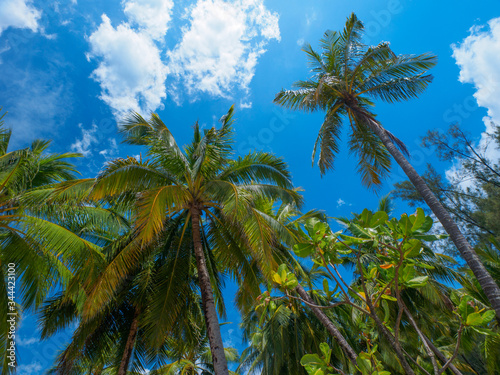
(220, 48)
(130, 72)
(216, 54)
(92, 142)
(152, 16)
(478, 57)
(20, 14)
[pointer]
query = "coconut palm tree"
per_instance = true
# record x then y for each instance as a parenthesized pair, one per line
(279, 341)
(40, 248)
(348, 75)
(205, 189)
(120, 337)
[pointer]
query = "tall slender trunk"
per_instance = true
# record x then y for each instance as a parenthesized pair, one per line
(488, 284)
(325, 320)
(129, 346)
(207, 299)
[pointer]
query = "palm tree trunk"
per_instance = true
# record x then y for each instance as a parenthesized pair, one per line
(482, 275)
(129, 346)
(207, 299)
(323, 318)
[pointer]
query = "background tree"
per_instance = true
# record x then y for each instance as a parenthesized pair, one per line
(472, 195)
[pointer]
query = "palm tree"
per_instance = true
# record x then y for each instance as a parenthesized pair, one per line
(27, 239)
(207, 191)
(347, 76)
(279, 340)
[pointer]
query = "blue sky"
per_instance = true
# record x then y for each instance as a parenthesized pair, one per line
(70, 69)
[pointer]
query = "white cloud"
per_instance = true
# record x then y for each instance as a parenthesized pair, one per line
(131, 73)
(340, 202)
(245, 105)
(93, 142)
(31, 369)
(478, 57)
(26, 342)
(152, 16)
(19, 14)
(85, 143)
(220, 48)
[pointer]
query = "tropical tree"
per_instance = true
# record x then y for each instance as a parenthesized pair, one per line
(203, 188)
(393, 268)
(473, 195)
(348, 75)
(279, 334)
(28, 241)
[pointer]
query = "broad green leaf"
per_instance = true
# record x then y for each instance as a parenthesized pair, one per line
(426, 266)
(327, 352)
(412, 248)
(311, 359)
(474, 319)
(408, 273)
(405, 225)
(387, 311)
(488, 316)
(419, 219)
(430, 237)
(378, 218)
(303, 250)
(427, 225)
(354, 240)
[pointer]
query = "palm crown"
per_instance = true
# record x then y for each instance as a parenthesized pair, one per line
(206, 190)
(348, 76)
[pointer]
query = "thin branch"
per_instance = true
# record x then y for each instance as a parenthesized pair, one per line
(455, 353)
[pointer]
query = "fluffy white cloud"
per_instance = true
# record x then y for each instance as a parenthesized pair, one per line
(478, 57)
(131, 73)
(19, 14)
(220, 48)
(152, 16)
